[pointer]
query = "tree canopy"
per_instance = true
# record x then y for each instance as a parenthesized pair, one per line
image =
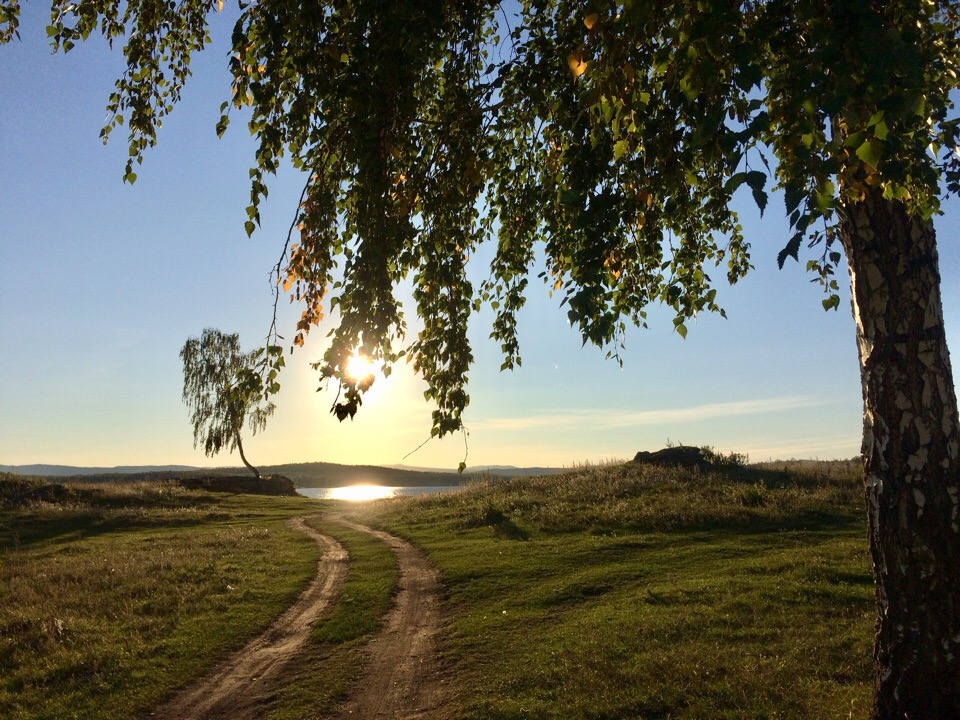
(605, 140)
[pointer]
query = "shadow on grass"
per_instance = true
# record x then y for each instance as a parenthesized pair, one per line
(811, 521)
(22, 530)
(501, 524)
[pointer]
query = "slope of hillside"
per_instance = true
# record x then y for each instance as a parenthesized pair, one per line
(70, 470)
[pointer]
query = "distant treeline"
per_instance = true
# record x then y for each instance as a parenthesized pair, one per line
(321, 474)
(317, 474)
(311, 474)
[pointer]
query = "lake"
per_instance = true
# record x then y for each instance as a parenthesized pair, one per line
(359, 493)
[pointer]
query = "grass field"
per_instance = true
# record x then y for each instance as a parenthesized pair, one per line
(611, 592)
(114, 595)
(633, 592)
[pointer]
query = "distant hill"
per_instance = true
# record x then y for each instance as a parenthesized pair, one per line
(312, 474)
(503, 470)
(322, 474)
(64, 470)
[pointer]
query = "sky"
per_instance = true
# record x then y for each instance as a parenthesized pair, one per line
(102, 283)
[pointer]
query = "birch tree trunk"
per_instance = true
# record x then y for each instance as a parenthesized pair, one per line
(237, 420)
(911, 455)
(251, 468)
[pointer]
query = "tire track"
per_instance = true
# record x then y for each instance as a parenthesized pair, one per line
(403, 678)
(234, 687)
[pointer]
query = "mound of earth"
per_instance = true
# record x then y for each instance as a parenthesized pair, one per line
(246, 484)
(18, 492)
(680, 455)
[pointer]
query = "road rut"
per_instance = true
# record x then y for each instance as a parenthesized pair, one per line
(234, 688)
(403, 678)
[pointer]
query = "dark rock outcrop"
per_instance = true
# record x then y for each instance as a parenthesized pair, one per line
(247, 484)
(680, 455)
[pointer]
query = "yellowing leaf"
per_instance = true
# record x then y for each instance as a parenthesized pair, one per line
(558, 284)
(287, 285)
(614, 266)
(620, 148)
(871, 153)
(576, 63)
(591, 20)
(219, 5)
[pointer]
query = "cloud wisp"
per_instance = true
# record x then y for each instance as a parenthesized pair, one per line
(613, 419)
(819, 447)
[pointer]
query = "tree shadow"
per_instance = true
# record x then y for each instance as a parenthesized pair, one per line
(503, 526)
(24, 530)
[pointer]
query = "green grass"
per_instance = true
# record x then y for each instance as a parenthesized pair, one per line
(636, 592)
(610, 592)
(112, 596)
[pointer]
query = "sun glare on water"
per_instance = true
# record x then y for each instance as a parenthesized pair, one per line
(359, 493)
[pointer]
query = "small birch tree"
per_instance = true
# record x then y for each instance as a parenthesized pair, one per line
(222, 390)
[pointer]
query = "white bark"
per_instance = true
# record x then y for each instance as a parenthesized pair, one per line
(910, 452)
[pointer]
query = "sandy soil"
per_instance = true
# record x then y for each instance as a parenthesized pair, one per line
(403, 677)
(233, 688)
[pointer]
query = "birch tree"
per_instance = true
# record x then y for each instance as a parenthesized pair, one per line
(224, 392)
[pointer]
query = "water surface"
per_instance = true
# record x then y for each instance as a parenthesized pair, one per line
(359, 493)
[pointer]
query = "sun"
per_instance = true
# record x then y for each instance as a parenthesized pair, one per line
(360, 367)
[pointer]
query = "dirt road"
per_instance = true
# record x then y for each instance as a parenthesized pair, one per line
(232, 689)
(403, 679)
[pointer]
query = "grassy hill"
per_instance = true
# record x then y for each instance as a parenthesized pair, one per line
(640, 592)
(71, 470)
(616, 592)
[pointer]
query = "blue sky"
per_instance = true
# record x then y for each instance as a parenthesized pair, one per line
(103, 282)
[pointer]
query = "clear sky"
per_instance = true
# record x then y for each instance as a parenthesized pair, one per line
(103, 282)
